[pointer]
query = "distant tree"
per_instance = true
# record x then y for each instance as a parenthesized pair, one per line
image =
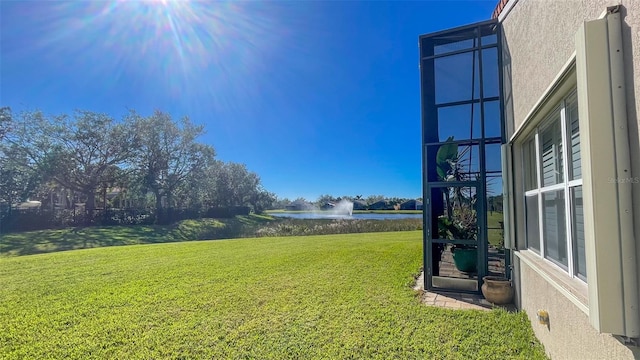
(200, 188)
(324, 199)
(152, 160)
(495, 203)
(5, 121)
(17, 182)
(281, 203)
(77, 152)
(374, 198)
(396, 200)
(168, 154)
(237, 186)
(262, 200)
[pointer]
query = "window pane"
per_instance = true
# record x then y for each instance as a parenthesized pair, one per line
(453, 46)
(455, 209)
(577, 228)
(551, 153)
(494, 211)
(489, 39)
(490, 80)
(553, 225)
(494, 190)
(529, 165)
(493, 157)
(454, 41)
(457, 77)
(452, 162)
(574, 136)
(533, 227)
(492, 123)
(468, 162)
(460, 121)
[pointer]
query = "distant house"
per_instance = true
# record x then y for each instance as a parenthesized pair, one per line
(299, 206)
(359, 205)
(411, 205)
(327, 206)
(381, 205)
(28, 205)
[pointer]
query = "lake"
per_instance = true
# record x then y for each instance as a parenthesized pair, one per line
(328, 215)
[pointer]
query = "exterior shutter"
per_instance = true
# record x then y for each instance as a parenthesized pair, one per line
(612, 272)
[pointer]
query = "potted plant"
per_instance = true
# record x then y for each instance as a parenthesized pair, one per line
(465, 257)
(498, 289)
(460, 218)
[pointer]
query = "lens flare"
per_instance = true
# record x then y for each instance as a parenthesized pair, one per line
(167, 42)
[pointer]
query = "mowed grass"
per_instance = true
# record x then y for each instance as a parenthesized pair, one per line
(45, 241)
(494, 232)
(54, 240)
(314, 297)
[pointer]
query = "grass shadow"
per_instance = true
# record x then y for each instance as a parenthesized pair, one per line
(46, 241)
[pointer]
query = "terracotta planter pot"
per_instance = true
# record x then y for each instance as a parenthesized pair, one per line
(497, 290)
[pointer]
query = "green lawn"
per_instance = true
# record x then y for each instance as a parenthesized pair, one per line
(337, 296)
(44, 241)
(494, 233)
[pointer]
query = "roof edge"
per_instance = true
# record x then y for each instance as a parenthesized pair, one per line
(502, 9)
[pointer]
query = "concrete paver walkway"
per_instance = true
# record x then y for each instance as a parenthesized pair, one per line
(452, 300)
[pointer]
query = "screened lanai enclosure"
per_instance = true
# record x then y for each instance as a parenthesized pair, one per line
(462, 132)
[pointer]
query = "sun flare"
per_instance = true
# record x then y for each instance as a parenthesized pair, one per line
(174, 41)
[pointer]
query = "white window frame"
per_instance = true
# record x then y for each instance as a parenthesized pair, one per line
(566, 185)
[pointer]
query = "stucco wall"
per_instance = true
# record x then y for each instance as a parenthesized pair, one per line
(569, 335)
(539, 37)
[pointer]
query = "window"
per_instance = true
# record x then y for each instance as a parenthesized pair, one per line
(553, 189)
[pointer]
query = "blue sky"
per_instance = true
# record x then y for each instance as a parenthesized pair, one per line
(315, 97)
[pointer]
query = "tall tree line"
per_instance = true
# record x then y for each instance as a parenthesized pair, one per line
(155, 159)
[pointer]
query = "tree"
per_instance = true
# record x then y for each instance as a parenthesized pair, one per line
(262, 199)
(78, 153)
(237, 186)
(372, 199)
(198, 190)
(17, 182)
(324, 199)
(149, 159)
(168, 154)
(396, 200)
(281, 203)
(5, 121)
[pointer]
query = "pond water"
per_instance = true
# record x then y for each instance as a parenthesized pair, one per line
(328, 215)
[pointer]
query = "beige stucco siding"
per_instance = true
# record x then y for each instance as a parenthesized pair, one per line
(540, 39)
(569, 334)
